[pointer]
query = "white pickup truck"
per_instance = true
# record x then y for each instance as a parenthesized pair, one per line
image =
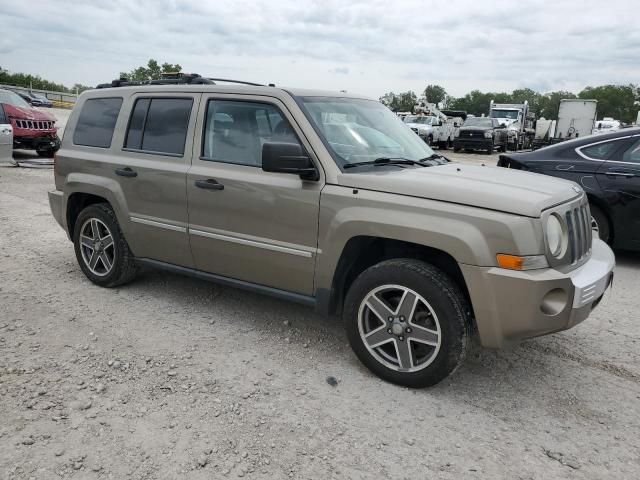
(432, 129)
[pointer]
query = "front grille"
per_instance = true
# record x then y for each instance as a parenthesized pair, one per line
(35, 124)
(468, 134)
(580, 233)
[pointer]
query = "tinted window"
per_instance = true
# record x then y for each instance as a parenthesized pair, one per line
(235, 131)
(601, 151)
(96, 122)
(632, 154)
(3, 118)
(159, 125)
(136, 124)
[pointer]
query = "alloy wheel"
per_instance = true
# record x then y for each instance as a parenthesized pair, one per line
(97, 247)
(399, 328)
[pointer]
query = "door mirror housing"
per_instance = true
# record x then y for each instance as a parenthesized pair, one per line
(278, 157)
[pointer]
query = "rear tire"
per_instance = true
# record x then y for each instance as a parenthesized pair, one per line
(101, 249)
(430, 330)
(600, 223)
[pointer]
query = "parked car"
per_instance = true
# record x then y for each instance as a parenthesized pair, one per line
(34, 99)
(33, 129)
(432, 129)
(481, 133)
(6, 138)
(326, 199)
(607, 167)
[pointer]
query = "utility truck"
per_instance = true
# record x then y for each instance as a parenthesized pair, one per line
(519, 120)
(433, 126)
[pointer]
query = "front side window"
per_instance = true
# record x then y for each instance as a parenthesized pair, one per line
(632, 154)
(235, 131)
(96, 122)
(159, 125)
(357, 130)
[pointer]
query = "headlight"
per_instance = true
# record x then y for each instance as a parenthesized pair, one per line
(488, 134)
(556, 236)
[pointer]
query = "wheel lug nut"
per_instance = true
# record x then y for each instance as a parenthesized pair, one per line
(391, 319)
(401, 338)
(389, 330)
(408, 330)
(402, 319)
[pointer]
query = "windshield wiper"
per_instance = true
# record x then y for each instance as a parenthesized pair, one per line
(436, 158)
(385, 161)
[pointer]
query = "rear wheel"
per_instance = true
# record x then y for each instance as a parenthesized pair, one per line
(101, 249)
(407, 322)
(600, 223)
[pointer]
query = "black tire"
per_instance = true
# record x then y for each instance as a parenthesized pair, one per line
(446, 300)
(123, 268)
(429, 140)
(456, 149)
(490, 149)
(601, 221)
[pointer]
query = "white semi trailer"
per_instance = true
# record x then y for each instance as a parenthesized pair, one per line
(576, 118)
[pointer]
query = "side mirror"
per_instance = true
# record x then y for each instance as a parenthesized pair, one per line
(280, 157)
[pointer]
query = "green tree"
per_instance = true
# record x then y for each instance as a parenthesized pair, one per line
(617, 101)
(152, 71)
(406, 101)
(435, 94)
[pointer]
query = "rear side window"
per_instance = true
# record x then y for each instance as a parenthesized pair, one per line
(601, 151)
(96, 122)
(159, 125)
(3, 118)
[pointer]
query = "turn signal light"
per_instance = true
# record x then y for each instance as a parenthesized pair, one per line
(516, 262)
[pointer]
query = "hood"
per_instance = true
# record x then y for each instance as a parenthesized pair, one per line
(474, 129)
(27, 113)
(419, 126)
(501, 189)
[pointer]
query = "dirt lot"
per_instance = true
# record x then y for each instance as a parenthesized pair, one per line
(174, 378)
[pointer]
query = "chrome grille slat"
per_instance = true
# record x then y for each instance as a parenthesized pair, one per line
(573, 240)
(579, 233)
(35, 125)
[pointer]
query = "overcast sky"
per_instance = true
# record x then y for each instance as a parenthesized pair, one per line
(369, 47)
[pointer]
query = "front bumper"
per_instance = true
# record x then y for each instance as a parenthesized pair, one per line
(511, 305)
(472, 143)
(40, 143)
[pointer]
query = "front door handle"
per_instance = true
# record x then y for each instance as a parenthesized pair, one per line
(619, 174)
(209, 184)
(126, 172)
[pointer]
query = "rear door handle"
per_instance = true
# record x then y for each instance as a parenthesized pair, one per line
(209, 184)
(126, 172)
(619, 174)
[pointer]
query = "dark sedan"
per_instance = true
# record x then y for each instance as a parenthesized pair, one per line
(34, 99)
(607, 167)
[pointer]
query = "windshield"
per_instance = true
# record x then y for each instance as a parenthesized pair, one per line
(358, 130)
(478, 122)
(13, 99)
(510, 114)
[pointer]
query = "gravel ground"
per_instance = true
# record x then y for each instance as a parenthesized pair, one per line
(174, 378)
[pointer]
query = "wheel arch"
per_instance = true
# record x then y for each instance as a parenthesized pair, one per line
(362, 251)
(606, 211)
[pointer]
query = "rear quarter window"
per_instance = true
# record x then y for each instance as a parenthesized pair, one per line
(97, 121)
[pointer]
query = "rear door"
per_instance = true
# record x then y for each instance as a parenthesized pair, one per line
(619, 179)
(6, 138)
(151, 167)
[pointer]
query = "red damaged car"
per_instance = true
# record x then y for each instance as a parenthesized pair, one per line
(33, 129)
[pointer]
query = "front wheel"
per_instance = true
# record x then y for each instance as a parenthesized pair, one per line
(407, 322)
(101, 249)
(46, 153)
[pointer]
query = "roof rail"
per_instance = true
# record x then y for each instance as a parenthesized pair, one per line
(176, 78)
(242, 82)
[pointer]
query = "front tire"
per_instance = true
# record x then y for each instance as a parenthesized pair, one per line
(407, 322)
(101, 249)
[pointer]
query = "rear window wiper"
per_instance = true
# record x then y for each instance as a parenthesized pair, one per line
(385, 161)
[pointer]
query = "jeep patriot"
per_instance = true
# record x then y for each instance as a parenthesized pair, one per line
(329, 200)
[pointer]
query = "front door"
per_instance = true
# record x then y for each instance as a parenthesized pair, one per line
(245, 223)
(619, 179)
(6, 138)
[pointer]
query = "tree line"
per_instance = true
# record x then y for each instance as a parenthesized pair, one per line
(621, 102)
(36, 82)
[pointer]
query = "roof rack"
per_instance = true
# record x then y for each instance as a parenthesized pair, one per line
(176, 78)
